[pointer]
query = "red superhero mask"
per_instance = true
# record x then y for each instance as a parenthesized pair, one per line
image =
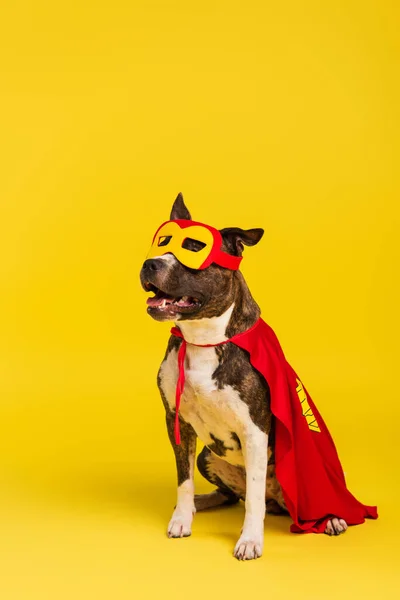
(194, 244)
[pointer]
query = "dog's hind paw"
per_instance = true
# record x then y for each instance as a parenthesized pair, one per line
(335, 526)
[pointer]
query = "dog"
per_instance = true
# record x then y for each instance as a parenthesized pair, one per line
(225, 401)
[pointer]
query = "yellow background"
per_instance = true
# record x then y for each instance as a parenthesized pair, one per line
(264, 114)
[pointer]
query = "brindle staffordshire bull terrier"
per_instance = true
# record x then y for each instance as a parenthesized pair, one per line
(226, 402)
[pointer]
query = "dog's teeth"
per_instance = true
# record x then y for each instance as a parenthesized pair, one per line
(163, 303)
(184, 298)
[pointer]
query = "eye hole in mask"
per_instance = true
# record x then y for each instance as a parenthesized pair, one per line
(164, 240)
(193, 245)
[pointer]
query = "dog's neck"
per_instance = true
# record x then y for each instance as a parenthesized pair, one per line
(241, 314)
(208, 330)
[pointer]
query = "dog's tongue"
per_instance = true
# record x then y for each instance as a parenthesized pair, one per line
(159, 299)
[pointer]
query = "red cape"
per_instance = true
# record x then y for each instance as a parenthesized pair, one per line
(307, 464)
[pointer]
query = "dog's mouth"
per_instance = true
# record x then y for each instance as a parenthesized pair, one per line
(165, 303)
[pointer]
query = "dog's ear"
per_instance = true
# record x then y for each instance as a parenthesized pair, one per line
(236, 238)
(179, 210)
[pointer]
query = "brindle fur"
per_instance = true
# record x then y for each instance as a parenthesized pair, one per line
(219, 288)
(216, 290)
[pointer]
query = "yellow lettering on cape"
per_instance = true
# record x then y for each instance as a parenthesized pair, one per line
(307, 412)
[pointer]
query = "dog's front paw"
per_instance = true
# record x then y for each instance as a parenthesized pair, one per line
(180, 525)
(248, 547)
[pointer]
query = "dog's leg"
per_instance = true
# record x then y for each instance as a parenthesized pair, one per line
(255, 450)
(212, 500)
(219, 473)
(180, 524)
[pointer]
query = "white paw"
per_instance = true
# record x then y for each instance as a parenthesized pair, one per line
(248, 547)
(180, 526)
(335, 526)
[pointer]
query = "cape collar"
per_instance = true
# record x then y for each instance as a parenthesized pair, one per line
(181, 368)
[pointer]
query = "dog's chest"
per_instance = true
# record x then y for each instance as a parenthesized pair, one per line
(218, 416)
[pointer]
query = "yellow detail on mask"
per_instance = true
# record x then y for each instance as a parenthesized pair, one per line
(170, 237)
(307, 412)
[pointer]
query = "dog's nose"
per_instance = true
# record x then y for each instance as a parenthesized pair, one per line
(152, 264)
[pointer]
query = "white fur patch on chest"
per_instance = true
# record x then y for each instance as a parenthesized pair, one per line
(212, 413)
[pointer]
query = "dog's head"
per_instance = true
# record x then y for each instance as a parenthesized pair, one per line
(182, 292)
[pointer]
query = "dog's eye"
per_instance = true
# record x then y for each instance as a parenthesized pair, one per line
(164, 240)
(193, 245)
